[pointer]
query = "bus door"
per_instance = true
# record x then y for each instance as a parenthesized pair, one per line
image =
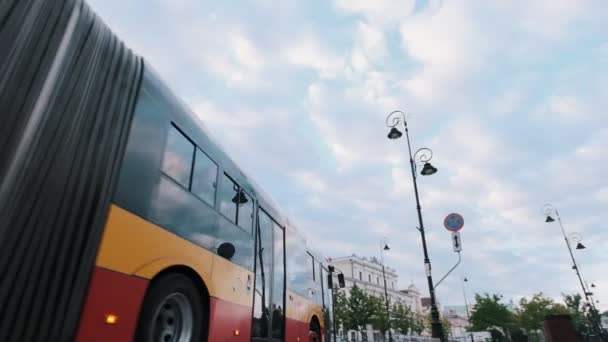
(268, 322)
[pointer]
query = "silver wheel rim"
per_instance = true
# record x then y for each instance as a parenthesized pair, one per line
(172, 320)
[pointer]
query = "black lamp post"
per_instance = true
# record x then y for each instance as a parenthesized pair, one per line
(466, 307)
(551, 211)
(386, 303)
(424, 155)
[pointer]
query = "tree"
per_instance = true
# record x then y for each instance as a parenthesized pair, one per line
(419, 323)
(533, 312)
(355, 310)
(401, 318)
(341, 307)
(446, 326)
(488, 314)
(575, 305)
(380, 319)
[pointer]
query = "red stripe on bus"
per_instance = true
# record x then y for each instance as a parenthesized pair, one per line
(296, 330)
(226, 318)
(111, 293)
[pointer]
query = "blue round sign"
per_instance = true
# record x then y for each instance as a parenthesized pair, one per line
(453, 222)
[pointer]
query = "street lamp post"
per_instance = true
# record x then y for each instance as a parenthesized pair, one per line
(424, 155)
(466, 307)
(550, 210)
(386, 303)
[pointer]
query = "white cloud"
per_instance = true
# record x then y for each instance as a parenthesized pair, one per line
(380, 11)
(506, 103)
(308, 51)
(564, 108)
(369, 47)
(550, 18)
(353, 185)
(450, 46)
(311, 181)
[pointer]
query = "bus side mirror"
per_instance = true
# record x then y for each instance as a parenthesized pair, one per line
(226, 250)
(341, 280)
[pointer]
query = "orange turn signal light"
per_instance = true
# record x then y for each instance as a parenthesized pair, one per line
(237, 332)
(111, 319)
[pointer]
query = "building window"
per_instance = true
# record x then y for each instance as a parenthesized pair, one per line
(378, 280)
(204, 178)
(364, 335)
(369, 277)
(353, 336)
(393, 285)
(360, 275)
(177, 159)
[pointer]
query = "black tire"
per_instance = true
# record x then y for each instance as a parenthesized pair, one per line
(153, 318)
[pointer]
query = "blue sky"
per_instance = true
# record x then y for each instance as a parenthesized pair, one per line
(510, 95)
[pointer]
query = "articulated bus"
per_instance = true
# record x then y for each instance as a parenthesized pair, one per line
(120, 218)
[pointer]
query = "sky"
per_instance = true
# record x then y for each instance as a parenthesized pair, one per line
(509, 94)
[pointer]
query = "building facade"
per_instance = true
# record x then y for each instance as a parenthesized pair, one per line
(458, 324)
(366, 274)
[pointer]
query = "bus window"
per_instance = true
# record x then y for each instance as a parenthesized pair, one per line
(236, 204)
(245, 212)
(204, 178)
(263, 276)
(228, 193)
(177, 160)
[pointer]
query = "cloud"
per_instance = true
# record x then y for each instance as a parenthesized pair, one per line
(508, 94)
(380, 11)
(369, 47)
(449, 45)
(307, 51)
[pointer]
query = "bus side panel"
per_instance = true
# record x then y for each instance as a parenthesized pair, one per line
(136, 250)
(296, 330)
(67, 92)
(116, 294)
(229, 322)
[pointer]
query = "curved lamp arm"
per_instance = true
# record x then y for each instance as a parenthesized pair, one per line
(396, 117)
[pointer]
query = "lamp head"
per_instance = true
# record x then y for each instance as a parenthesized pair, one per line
(428, 169)
(394, 133)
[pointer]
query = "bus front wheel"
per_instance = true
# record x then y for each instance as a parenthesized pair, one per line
(172, 311)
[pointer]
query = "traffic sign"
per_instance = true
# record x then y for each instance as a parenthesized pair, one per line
(453, 222)
(456, 242)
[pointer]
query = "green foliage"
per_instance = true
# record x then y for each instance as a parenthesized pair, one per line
(575, 305)
(533, 312)
(419, 323)
(446, 326)
(402, 319)
(488, 313)
(341, 307)
(355, 310)
(380, 318)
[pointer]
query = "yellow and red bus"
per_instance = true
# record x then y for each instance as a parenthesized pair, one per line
(120, 218)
